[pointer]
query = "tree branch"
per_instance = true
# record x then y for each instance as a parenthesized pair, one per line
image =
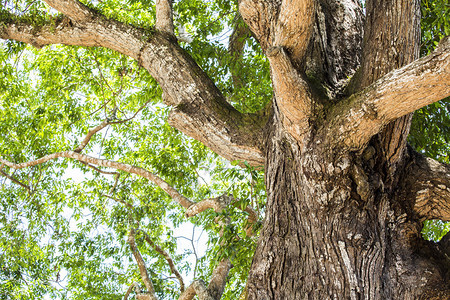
(164, 16)
(105, 123)
(74, 9)
(354, 121)
(131, 241)
(169, 260)
(198, 287)
(292, 94)
(294, 26)
(199, 107)
(215, 288)
(127, 204)
(183, 201)
(220, 203)
(284, 29)
(286, 24)
(426, 187)
(130, 288)
(89, 135)
(219, 279)
(141, 264)
(15, 180)
(220, 273)
(192, 208)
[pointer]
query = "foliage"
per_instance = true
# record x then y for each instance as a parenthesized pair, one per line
(65, 238)
(430, 128)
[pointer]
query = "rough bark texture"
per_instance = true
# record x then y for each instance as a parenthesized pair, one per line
(332, 232)
(336, 226)
(393, 26)
(334, 52)
(428, 182)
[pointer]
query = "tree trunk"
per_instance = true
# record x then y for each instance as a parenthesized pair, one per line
(336, 226)
(332, 232)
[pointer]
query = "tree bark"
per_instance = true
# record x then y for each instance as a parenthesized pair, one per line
(337, 225)
(332, 232)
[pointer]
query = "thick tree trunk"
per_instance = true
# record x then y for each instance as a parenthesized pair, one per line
(336, 226)
(333, 232)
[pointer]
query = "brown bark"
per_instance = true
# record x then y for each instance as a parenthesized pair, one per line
(329, 234)
(335, 227)
(354, 121)
(169, 260)
(164, 16)
(334, 52)
(427, 182)
(142, 268)
(286, 24)
(391, 40)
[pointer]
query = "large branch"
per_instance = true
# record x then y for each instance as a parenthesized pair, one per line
(219, 279)
(294, 26)
(183, 201)
(74, 9)
(355, 120)
(293, 96)
(286, 23)
(426, 187)
(200, 110)
(215, 288)
(284, 29)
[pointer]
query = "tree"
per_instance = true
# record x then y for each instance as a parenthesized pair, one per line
(346, 195)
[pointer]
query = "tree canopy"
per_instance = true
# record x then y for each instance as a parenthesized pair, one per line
(75, 226)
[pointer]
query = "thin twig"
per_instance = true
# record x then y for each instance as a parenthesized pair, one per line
(130, 288)
(116, 181)
(195, 252)
(127, 204)
(169, 260)
(89, 135)
(16, 181)
(98, 170)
